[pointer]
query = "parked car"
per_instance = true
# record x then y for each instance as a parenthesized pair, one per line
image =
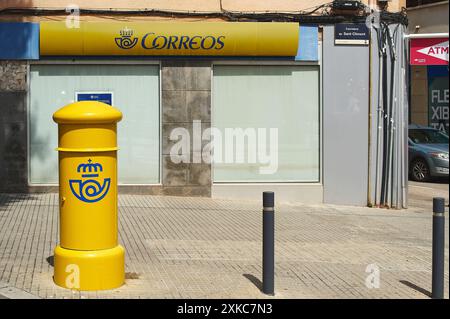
(428, 153)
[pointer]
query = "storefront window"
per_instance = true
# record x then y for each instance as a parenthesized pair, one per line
(134, 89)
(256, 99)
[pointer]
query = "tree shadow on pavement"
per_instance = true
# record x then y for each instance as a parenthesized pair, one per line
(416, 288)
(254, 281)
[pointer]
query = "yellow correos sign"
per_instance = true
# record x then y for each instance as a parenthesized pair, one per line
(169, 38)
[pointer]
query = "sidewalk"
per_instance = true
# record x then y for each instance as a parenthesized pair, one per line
(181, 247)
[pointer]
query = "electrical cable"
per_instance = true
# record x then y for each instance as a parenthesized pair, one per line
(327, 15)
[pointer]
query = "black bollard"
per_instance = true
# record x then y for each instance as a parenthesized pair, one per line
(437, 281)
(268, 243)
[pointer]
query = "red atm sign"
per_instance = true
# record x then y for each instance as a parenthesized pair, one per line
(429, 51)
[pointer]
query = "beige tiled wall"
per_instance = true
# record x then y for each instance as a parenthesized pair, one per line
(419, 95)
(191, 5)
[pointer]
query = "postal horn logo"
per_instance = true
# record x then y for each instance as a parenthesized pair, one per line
(126, 41)
(89, 188)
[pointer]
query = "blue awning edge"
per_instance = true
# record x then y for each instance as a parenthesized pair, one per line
(308, 43)
(19, 41)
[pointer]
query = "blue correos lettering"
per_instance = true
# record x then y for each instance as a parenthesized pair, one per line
(207, 46)
(194, 42)
(144, 38)
(152, 41)
(220, 43)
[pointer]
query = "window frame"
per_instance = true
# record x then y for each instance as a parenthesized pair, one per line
(73, 61)
(246, 62)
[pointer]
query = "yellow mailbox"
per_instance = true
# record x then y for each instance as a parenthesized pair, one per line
(88, 256)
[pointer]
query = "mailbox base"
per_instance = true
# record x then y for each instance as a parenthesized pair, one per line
(89, 269)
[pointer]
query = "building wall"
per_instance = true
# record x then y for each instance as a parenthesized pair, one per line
(432, 18)
(419, 95)
(197, 5)
(13, 126)
(186, 96)
(345, 121)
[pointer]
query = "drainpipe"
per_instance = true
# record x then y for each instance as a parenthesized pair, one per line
(369, 163)
(406, 79)
(372, 201)
(378, 161)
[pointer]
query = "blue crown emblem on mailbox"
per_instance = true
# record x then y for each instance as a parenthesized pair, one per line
(88, 189)
(90, 167)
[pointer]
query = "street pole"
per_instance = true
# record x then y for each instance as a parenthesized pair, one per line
(437, 290)
(268, 243)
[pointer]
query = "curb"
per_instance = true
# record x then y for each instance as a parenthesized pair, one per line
(8, 292)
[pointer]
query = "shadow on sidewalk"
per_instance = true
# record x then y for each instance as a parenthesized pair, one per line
(51, 260)
(7, 199)
(438, 180)
(254, 281)
(416, 288)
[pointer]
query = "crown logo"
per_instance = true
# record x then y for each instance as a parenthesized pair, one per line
(90, 167)
(90, 188)
(125, 32)
(126, 41)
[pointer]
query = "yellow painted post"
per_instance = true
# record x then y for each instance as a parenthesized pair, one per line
(88, 256)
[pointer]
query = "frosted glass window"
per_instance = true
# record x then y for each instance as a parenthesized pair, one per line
(135, 91)
(281, 97)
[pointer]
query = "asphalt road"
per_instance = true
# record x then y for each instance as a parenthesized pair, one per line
(421, 194)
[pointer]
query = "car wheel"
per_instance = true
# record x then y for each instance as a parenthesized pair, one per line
(420, 172)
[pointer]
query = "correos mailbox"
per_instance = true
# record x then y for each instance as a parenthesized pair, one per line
(88, 256)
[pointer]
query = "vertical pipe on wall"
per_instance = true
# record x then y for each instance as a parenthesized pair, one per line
(402, 139)
(392, 120)
(384, 105)
(405, 119)
(378, 166)
(369, 137)
(399, 121)
(400, 116)
(400, 176)
(391, 132)
(371, 201)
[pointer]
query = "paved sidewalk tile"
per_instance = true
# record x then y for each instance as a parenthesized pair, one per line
(178, 247)
(14, 293)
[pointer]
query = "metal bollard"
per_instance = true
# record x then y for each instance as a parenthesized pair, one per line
(268, 243)
(437, 282)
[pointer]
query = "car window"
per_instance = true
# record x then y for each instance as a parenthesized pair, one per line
(427, 136)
